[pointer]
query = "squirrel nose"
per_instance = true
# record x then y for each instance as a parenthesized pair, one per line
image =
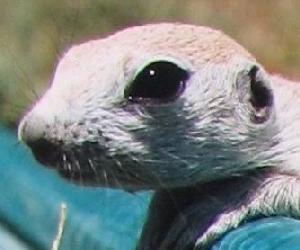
(31, 129)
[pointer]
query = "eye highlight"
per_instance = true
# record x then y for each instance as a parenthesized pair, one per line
(158, 81)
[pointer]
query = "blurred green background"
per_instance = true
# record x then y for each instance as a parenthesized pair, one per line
(34, 34)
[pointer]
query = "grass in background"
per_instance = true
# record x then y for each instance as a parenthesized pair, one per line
(34, 34)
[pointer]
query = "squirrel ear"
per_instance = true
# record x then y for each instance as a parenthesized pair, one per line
(255, 90)
(261, 96)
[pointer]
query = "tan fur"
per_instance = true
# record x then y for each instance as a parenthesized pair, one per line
(195, 43)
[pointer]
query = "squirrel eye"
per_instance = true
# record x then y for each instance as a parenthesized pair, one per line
(158, 81)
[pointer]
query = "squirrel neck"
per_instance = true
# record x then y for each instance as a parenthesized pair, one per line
(177, 217)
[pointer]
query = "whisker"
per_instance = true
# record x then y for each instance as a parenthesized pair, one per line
(115, 179)
(72, 175)
(106, 186)
(77, 164)
(130, 174)
(105, 178)
(66, 166)
(94, 170)
(71, 163)
(16, 66)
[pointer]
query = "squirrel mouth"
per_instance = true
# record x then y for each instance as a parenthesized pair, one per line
(74, 165)
(46, 152)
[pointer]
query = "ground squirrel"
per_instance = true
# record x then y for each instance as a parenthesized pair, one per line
(180, 109)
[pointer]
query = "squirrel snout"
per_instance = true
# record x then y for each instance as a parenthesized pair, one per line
(31, 129)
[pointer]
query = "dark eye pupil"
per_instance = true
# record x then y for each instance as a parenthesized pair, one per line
(160, 80)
